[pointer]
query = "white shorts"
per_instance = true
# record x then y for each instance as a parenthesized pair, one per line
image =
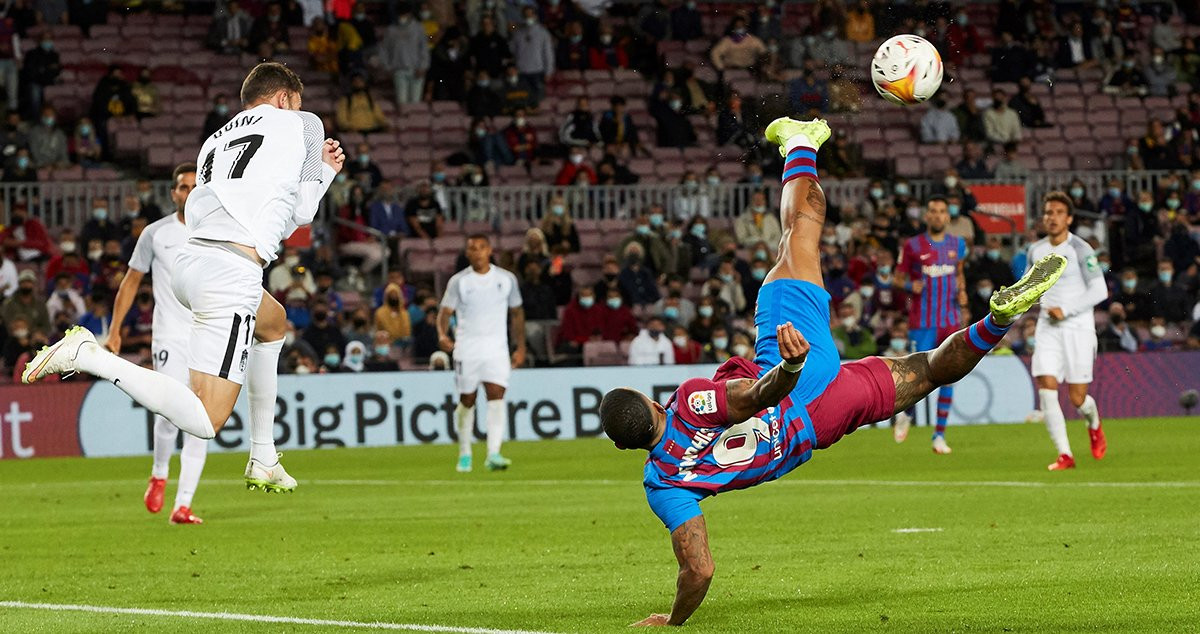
(469, 373)
(223, 291)
(1066, 354)
(170, 358)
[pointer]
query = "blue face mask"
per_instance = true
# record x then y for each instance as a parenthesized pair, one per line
(383, 350)
(1146, 207)
(47, 46)
(23, 162)
(993, 254)
(885, 269)
(656, 220)
(1076, 192)
(614, 302)
(1164, 277)
(760, 254)
(221, 109)
(705, 311)
(758, 274)
(1129, 285)
(558, 210)
(642, 230)
(1196, 184)
(439, 177)
(671, 313)
(587, 302)
(699, 230)
(1114, 192)
(85, 130)
(876, 193)
(332, 359)
(954, 210)
(901, 189)
(675, 234)
(1172, 203)
(897, 344)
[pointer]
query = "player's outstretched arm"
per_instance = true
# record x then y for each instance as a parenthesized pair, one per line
(690, 542)
(745, 398)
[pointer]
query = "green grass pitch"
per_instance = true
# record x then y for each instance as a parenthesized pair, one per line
(564, 542)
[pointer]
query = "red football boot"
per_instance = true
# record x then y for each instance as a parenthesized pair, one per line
(183, 515)
(1099, 444)
(1064, 462)
(154, 494)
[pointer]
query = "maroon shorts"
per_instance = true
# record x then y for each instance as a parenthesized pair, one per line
(862, 393)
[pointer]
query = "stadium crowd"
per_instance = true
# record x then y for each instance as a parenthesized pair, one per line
(680, 286)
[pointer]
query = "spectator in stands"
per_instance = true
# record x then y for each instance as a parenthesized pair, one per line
(404, 52)
(852, 341)
(687, 351)
(448, 70)
(840, 158)
(1075, 50)
(617, 129)
(972, 165)
(20, 169)
(488, 49)
(217, 117)
(13, 134)
(1001, 123)
(385, 214)
(651, 346)
(691, 200)
(1108, 49)
(97, 318)
(636, 280)
(40, 68)
(26, 304)
(271, 30)
(17, 344)
(706, 327)
(582, 321)
(392, 317)
(486, 146)
(574, 168)
(558, 227)
(364, 165)
(425, 216)
(651, 244)
(970, 119)
(290, 275)
(685, 22)
(534, 249)
(1118, 336)
(47, 143)
(1158, 333)
(1187, 61)
(1127, 80)
(1079, 197)
(516, 92)
(1115, 201)
(533, 52)
(679, 252)
(86, 144)
(1027, 106)
(572, 50)
(482, 99)
(1010, 167)
(808, 95)
(323, 333)
(65, 299)
(1154, 147)
(938, 125)
(741, 345)
(765, 24)
(230, 33)
(322, 49)
(358, 111)
(1160, 76)
(732, 127)
(580, 127)
(860, 23)
(1168, 299)
(674, 128)
(608, 54)
(703, 253)
(962, 39)
(522, 141)
(738, 48)
(101, 226)
(755, 224)
(618, 323)
(1132, 299)
(145, 96)
(1163, 34)
(726, 286)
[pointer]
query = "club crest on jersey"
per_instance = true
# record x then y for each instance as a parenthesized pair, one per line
(703, 402)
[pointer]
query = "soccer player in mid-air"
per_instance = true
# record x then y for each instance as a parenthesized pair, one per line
(483, 297)
(155, 249)
(931, 269)
(261, 176)
(753, 422)
(1066, 330)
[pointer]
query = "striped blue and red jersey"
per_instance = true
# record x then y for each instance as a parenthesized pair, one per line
(935, 264)
(703, 453)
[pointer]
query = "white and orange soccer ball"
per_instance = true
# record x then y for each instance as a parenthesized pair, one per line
(906, 70)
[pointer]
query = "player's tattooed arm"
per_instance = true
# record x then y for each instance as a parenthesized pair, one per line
(745, 398)
(690, 542)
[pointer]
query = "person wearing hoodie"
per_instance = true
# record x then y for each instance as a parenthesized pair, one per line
(355, 357)
(391, 316)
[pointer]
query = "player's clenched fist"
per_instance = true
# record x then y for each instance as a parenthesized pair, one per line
(793, 348)
(332, 154)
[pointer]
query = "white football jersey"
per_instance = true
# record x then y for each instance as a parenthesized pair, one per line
(480, 304)
(155, 253)
(1082, 268)
(258, 178)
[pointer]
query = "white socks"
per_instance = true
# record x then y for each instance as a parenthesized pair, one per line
(497, 421)
(1056, 422)
(799, 140)
(1089, 412)
(262, 386)
(155, 391)
(164, 445)
(191, 463)
(464, 423)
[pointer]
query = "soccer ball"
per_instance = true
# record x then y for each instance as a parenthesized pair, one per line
(906, 70)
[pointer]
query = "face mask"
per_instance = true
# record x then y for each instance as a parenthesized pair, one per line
(531, 20)
(1158, 60)
(713, 180)
(320, 315)
(876, 193)
(47, 46)
(100, 213)
(961, 19)
(705, 311)
(1031, 342)
(340, 178)
(1129, 285)
(642, 230)
(481, 132)
(1196, 184)
(48, 121)
(1165, 277)
(606, 39)
(613, 302)
(671, 312)
(680, 341)
(867, 291)
(656, 220)
(954, 210)
(1076, 192)
(984, 291)
(22, 162)
(425, 15)
(993, 254)
(303, 369)
(829, 240)
(725, 277)
(482, 83)
(741, 349)
(1131, 150)
(1158, 332)
(897, 344)
(1115, 192)
(575, 39)
(699, 230)
(558, 210)
(332, 359)
(382, 350)
(676, 105)
(675, 234)
(691, 185)
(913, 212)
(20, 334)
(513, 79)
(885, 269)
(85, 130)
(68, 247)
(354, 360)
(951, 182)
(439, 177)
(393, 302)
(901, 189)
(221, 109)
(364, 159)
(95, 254)
(758, 274)
(1172, 203)
(760, 254)
(1146, 207)
(520, 123)
(848, 322)
(575, 158)
(291, 260)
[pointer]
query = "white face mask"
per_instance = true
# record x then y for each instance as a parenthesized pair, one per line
(1158, 332)
(867, 291)
(680, 341)
(848, 322)
(741, 349)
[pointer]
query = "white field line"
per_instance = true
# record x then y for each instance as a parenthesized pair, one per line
(257, 618)
(467, 481)
(917, 530)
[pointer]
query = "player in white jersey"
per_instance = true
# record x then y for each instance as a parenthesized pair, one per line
(155, 252)
(261, 176)
(482, 298)
(1066, 329)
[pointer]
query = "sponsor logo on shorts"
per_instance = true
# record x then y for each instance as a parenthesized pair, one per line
(703, 402)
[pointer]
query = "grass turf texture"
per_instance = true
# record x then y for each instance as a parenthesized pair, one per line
(530, 549)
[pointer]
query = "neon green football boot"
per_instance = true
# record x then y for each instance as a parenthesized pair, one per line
(1010, 301)
(783, 129)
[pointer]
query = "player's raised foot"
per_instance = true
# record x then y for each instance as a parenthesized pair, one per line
(269, 478)
(496, 462)
(58, 358)
(1099, 444)
(154, 494)
(783, 129)
(1010, 302)
(464, 464)
(939, 445)
(1063, 463)
(184, 515)
(901, 427)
